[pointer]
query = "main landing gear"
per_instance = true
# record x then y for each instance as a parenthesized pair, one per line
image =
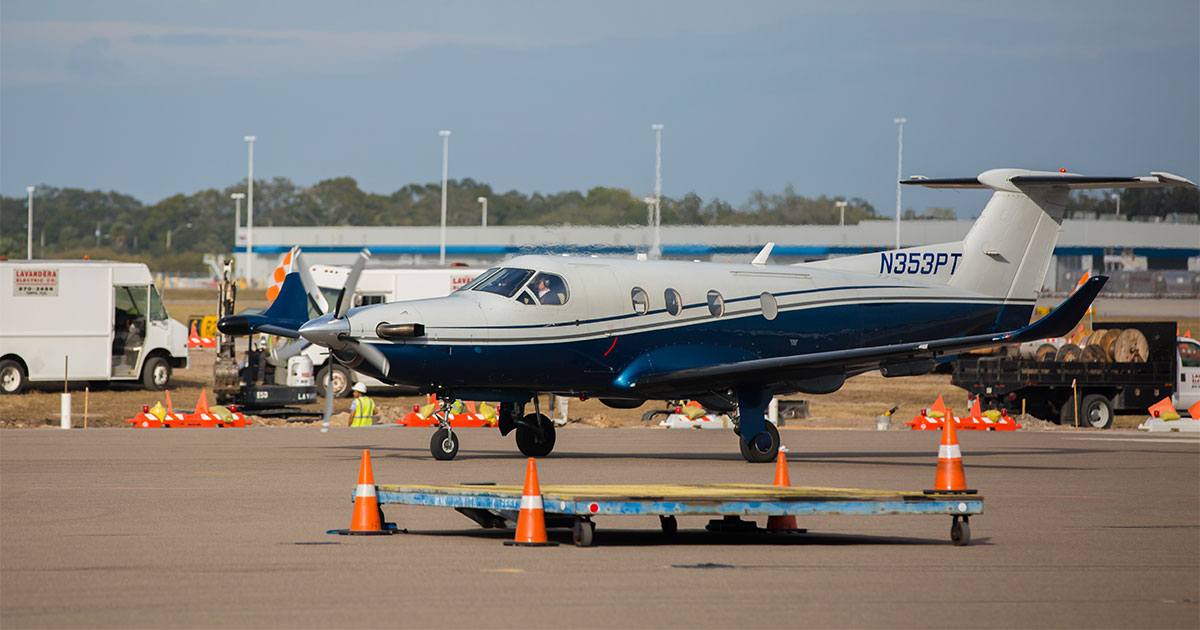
(535, 432)
(758, 439)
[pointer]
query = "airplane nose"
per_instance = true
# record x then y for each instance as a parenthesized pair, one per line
(326, 331)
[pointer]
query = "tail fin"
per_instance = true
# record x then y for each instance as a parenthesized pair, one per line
(283, 317)
(1007, 252)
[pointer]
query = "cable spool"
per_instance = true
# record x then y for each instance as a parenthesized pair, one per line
(1093, 353)
(1131, 347)
(1106, 342)
(1069, 353)
(1046, 352)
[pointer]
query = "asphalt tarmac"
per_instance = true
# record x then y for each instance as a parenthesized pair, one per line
(226, 528)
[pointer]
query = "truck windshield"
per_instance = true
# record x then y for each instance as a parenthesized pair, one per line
(505, 282)
(158, 312)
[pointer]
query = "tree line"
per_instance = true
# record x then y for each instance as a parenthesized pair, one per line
(72, 223)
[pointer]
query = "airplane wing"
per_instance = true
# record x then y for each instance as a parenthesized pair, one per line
(1059, 322)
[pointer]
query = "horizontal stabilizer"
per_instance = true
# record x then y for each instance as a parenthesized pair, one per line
(1013, 179)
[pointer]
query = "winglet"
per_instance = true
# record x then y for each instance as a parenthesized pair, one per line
(1061, 320)
(761, 258)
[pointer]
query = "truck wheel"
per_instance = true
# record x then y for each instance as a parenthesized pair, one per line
(341, 381)
(1096, 411)
(156, 374)
(12, 377)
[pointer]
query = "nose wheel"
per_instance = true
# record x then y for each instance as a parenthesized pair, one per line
(444, 444)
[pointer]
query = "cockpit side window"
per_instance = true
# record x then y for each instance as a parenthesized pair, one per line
(504, 282)
(546, 288)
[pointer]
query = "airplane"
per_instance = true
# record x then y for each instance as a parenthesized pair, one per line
(728, 335)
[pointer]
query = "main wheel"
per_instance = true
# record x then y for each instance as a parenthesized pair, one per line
(443, 445)
(156, 374)
(12, 377)
(341, 381)
(756, 455)
(528, 440)
(960, 532)
(583, 532)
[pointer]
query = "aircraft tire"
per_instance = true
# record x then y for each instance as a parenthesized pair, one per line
(755, 455)
(527, 436)
(443, 445)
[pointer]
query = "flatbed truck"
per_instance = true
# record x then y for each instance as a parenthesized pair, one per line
(1088, 392)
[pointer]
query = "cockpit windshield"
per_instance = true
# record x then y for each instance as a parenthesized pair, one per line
(478, 279)
(504, 282)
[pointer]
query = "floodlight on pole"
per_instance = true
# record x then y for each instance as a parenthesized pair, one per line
(1117, 198)
(445, 170)
(250, 212)
(29, 234)
(841, 205)
(172, 231)
(656, 250)
(483, 200)
(899, 165)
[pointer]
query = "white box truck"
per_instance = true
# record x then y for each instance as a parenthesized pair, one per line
(85, 320)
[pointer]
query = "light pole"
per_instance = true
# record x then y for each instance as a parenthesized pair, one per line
(1116, 197)
(899, 165)
(29, 235)
(250, 212)
(483, 200)
(237, 216)
(172, 231)
(656, 250)
(841, 205)
(445, 169)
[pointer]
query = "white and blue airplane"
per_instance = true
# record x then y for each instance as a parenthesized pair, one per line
(728, 335)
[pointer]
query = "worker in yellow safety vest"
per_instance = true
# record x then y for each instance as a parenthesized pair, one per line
(362, 408)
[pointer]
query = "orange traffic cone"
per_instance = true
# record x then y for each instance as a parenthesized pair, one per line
(531, 522)
(782, 522)
(367, 519)
(950, 477)
(1194, 411)
(202, 404)
(170, 407)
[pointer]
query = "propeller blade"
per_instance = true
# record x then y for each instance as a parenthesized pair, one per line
(347, 295)
(292, 349)
(372, 355)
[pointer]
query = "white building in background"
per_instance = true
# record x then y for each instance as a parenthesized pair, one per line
(1165, 253)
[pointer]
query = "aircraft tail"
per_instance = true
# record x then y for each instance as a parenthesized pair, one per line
(284, 316)
(1007, 251)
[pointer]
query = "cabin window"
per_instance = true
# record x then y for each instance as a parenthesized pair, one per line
(545, 288)
(770, 307)
(641, 301)
(716, 304)
(504, 282)
(674, 302)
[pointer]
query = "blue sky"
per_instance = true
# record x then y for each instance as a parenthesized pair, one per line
(153, 98)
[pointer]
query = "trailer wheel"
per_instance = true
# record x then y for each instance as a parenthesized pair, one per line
(960, 532)
(583, 532)
(12, 377)
(669, 524)
(156, 374)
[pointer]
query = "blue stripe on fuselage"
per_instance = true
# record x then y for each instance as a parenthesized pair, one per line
(590, 365)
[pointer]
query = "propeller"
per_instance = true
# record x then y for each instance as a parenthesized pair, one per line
(332, 330)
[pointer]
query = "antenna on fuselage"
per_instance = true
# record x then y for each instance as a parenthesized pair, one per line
(761, 258)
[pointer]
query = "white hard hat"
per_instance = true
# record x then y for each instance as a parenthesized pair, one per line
(360, 388)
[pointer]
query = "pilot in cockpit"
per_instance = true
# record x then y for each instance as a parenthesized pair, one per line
(546, 293)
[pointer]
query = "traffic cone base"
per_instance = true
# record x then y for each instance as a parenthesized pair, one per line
(531, 521)
(367, 519)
